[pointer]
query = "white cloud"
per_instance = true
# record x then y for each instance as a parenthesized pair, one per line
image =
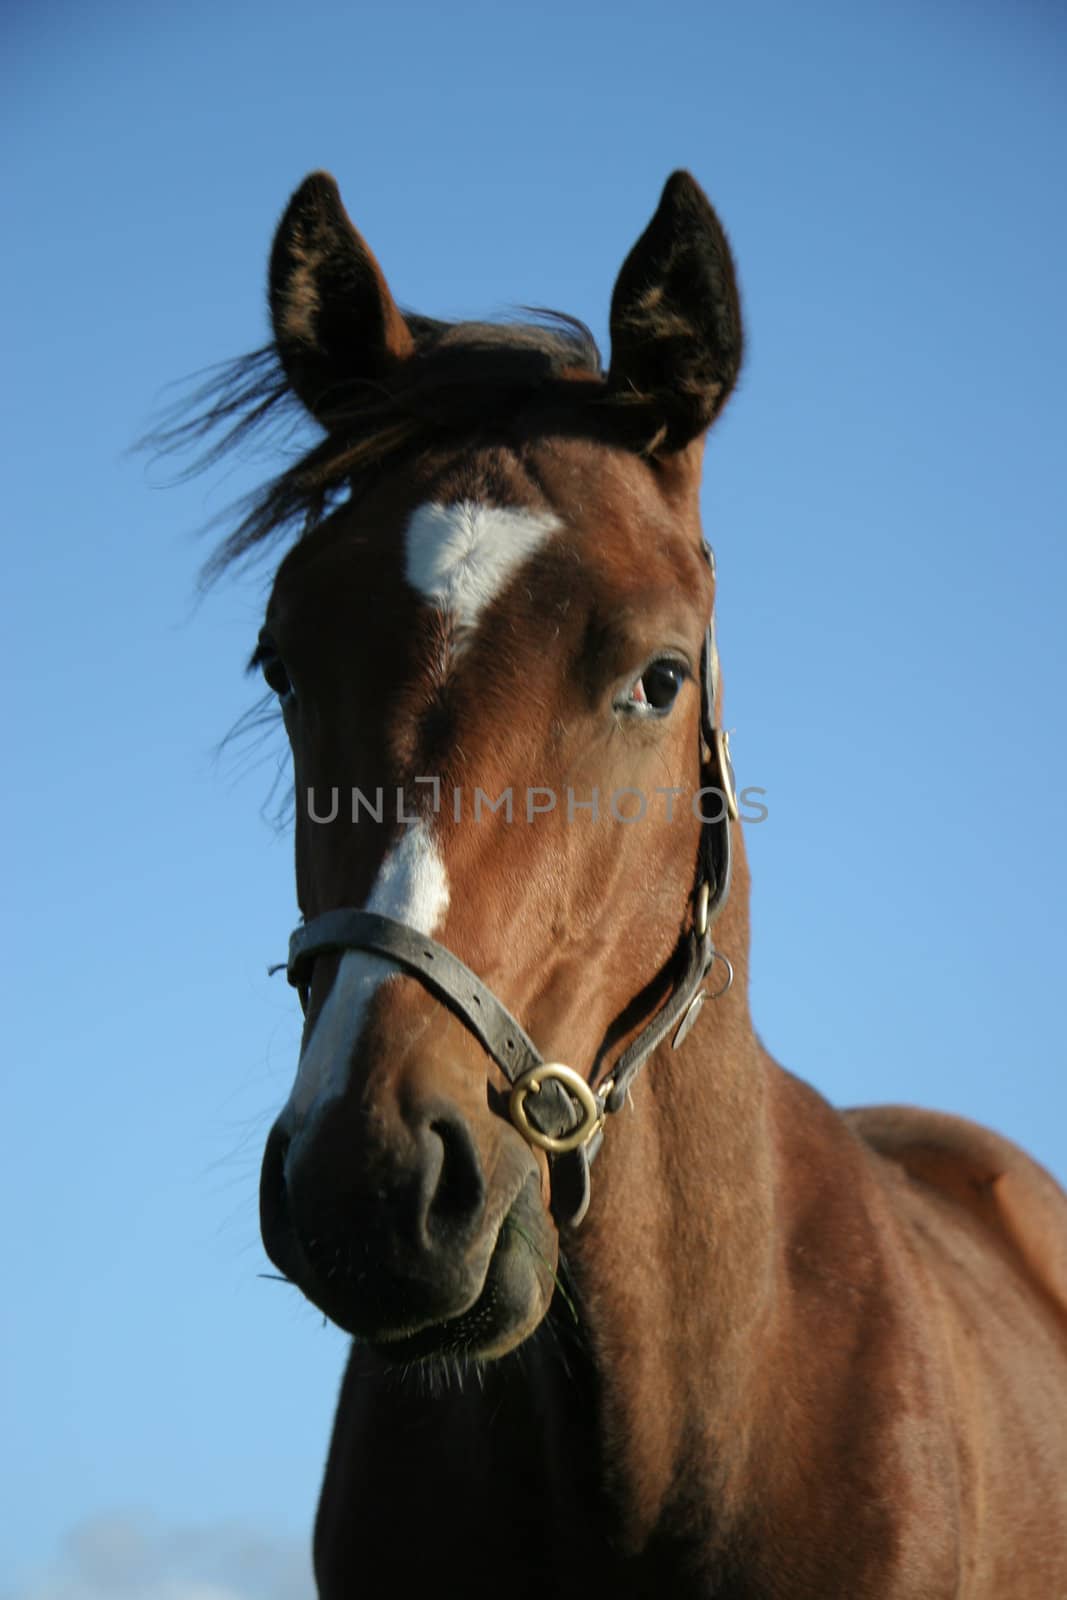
(132, 1556)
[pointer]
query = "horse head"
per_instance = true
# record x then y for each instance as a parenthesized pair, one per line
(493, 654)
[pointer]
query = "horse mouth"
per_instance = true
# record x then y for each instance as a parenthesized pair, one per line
(514, 1297)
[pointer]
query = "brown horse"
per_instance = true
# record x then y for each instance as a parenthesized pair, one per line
(770, 1349)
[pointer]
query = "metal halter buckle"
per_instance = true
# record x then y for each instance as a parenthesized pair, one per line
(576, 1087)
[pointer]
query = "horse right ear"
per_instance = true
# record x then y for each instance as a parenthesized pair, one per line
(335, 322)
(676, 319)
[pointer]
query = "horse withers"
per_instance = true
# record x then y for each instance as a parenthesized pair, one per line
(635, 1312)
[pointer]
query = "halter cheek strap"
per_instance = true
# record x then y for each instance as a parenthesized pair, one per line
(553, 1106)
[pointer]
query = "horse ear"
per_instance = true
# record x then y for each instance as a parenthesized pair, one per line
(335, 322)
(676, 317)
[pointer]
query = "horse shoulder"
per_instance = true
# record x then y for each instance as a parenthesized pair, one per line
(1018, 1204)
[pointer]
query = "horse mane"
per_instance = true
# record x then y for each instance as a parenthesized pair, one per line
(465, 377)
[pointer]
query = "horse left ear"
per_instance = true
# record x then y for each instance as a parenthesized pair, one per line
(676, 318)
(335, 321)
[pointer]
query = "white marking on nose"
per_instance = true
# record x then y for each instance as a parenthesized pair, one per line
(460, 557)
(411, 887)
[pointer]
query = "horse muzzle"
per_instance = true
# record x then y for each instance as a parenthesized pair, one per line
(402, 1240)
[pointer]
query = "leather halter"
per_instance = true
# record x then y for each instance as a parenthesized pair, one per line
(553, 1106)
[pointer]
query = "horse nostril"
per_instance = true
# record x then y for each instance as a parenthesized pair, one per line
(458, 1200)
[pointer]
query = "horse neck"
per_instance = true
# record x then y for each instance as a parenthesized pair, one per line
(673, 1267)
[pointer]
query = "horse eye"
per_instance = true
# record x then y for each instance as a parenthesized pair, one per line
(274, 674)
(657, 687)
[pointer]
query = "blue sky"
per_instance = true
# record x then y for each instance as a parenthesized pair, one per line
(885, 495)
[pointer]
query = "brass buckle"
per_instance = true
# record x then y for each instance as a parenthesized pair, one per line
(576, 1087)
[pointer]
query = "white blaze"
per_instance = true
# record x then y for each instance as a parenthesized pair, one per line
(459, 558)
(411, 887)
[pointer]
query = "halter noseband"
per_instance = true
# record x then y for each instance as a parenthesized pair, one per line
(551, 1105)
